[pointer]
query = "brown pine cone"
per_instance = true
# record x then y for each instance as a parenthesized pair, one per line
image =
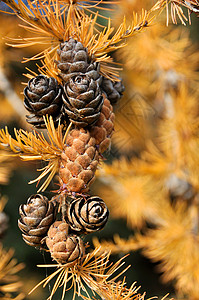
(36, 218)
(103, 128)
(82, 95)
(83, 99)
(64, 248)
(113, 90)
(43, 96)
(87, 215)
(73, 58)
(78, 161)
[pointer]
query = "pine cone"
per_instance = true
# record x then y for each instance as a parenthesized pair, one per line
(87, 214)
(43, 96)
(78, 161)
(73, 58)
(82, 99)
(36, 217)
(103, 128)
(113, 90)
(64, 248)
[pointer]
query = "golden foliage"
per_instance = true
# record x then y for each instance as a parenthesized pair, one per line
(162, 49)
(34, 146)
(3, 201)
(175, 245)
(135, 198)
(5, 30)
(179, 128)
(47, 67)
(9, 281)
(93, 272)
(44, 18)
(177, 10)
(12, 29)
(154, 161)
(110, 39)
(128, 7)
(6, 166)
(119, 291)
(154, 62)
(7, 111)
(176, 147)
(174, 239)
(52, 22)
(175, 150)
(118, 245)
(133, 123)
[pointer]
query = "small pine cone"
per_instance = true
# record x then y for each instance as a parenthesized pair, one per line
(73, 58)
(82, 99)
(87, 215)
(103, 128)
(3, 223)
(113, 90)
(36, 217)
(43, 96)
(79, 161)
(64, 248)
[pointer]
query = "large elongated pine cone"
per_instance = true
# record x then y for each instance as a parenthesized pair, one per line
(87, 214)
(64, 248)
(82, 99)
(113, 90)
(43, 96)
(78, 162)
(103, 128)
(36, 218)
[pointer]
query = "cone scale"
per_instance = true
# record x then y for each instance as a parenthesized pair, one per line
(78, 161)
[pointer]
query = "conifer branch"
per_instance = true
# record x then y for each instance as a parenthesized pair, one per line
(34, 146)
(176, 9)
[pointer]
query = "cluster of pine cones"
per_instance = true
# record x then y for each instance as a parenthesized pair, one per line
(40, 228)
(84, 98)
(79, 99)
